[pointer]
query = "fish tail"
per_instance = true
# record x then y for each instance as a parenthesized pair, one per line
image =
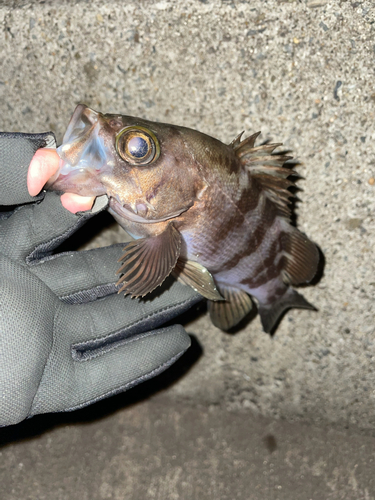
(270, 313)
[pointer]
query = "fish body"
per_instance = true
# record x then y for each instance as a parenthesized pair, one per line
(217, 216)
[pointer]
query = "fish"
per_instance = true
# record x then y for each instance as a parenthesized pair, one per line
(216, 216)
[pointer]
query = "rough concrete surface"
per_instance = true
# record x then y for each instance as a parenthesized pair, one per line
(303, 74)
(156, 450)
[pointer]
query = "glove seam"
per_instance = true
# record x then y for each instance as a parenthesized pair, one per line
(33, 259)
(120, 343)
(105, 287)
(131, 384)
(91, 349)
(62, 254)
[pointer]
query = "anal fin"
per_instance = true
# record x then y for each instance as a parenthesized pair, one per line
(148, 261)
(228, 313)
(198, 277)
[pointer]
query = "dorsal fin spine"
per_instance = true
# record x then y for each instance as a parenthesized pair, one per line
(249, 141)
(267, 169)
(237, 141)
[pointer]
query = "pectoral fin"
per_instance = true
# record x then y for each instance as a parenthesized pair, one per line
(198, 277)
(228, 313)
(148, 261)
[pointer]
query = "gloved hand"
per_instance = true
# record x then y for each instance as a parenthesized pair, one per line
(67, 339)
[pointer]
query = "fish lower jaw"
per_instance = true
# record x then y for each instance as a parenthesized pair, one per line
(137, 212)
(128, 211)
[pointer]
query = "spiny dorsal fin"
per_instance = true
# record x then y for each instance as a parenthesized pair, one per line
(240, 146)
(267, 169)
(237, 141)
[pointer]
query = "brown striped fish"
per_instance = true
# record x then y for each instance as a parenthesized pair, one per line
(217, 216)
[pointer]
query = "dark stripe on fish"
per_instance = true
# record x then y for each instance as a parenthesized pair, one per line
(252, 239)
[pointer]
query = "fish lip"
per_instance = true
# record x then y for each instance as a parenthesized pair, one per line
(82, 115)
(122, 211)
(84, 155)
(82, 137)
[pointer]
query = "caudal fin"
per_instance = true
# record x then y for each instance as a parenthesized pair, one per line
(269, 314)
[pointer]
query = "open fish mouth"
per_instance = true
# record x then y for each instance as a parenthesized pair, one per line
(82, 118)
(82, 145)
(83, 155)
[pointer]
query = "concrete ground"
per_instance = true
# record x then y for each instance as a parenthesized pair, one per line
(159, 450)
(302, 400)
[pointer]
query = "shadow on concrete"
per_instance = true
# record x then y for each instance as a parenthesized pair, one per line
(29, 429)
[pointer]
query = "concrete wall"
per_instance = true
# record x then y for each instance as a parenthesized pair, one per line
(303, 74)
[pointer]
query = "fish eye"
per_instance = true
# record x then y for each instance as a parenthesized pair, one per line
(137, 145)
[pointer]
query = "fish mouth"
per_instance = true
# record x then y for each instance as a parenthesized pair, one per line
(84, 156)
(82, 146)
(127, 212)
(82, 118)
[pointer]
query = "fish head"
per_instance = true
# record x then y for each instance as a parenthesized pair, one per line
(148, 170)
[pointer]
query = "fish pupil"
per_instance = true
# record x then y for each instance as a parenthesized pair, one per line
(138, 147)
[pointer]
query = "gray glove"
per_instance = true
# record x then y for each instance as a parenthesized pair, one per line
(67, 339)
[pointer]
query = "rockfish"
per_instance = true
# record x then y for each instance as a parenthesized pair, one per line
(217, 216)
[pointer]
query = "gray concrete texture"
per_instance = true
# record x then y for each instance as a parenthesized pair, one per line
(155, 450)
(303, 74)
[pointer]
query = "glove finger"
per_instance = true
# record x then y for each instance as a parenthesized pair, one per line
(94, 327)
(69, 386)
(33, 231)
(81, 276)
(16, 152)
